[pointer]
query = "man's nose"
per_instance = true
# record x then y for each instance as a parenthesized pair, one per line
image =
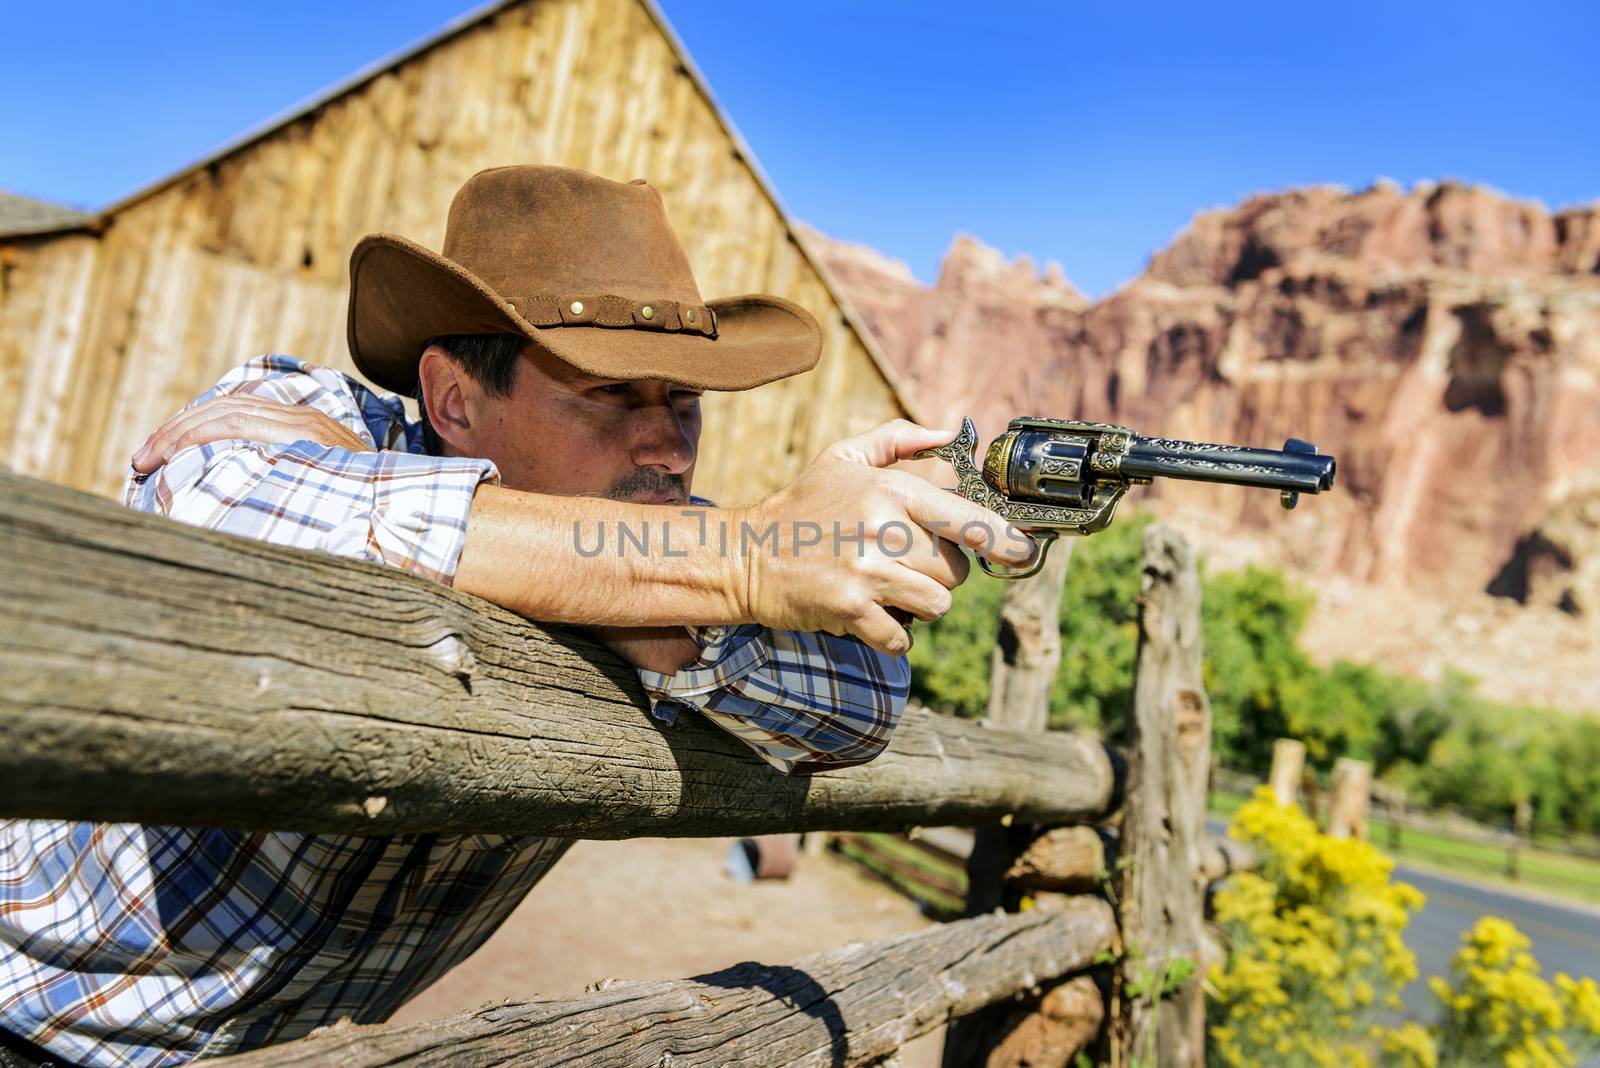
(661, 440)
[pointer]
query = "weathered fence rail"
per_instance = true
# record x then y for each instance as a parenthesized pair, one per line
(155, 672)
(158, 673)
(932, 877)
(852, 1006)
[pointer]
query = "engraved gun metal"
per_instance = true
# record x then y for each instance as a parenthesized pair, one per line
(1049, 477)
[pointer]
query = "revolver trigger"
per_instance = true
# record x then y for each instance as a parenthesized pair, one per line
(1042, 539)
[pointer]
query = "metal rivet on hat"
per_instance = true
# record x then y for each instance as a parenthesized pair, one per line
(689, 315)
(648, 312)
(577, 307)
(511, 304)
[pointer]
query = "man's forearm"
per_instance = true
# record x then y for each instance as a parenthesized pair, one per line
(535, 554)
(663, 649)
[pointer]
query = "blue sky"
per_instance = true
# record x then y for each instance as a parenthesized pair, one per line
(1089, 134)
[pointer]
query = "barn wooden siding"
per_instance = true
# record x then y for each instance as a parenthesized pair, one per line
(105, 332)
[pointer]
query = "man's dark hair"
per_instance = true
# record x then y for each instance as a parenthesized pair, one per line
(491, 360)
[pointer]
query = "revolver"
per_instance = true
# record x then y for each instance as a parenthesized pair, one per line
(1049, 477)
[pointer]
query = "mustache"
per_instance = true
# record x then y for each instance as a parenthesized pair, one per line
(645, 482)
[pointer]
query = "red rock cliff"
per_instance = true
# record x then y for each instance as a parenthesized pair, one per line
(1444, 343)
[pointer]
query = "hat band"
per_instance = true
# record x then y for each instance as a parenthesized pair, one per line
(605, 309)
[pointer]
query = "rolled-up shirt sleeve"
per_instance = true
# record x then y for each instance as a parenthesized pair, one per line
(401, 509)
(404, 509)
(804, 702)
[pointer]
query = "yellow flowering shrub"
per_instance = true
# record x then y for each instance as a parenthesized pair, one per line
(1317, 950)
(1317, 953)
(1409, 1044)
(1501, 1011)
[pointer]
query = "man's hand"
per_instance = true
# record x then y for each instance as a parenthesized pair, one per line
(820, 577)
(250, 418)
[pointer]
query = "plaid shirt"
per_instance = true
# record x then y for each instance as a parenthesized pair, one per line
(123, 944)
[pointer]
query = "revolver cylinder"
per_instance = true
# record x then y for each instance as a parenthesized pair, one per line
(1041, 465)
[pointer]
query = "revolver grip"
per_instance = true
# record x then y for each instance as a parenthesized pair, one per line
(971, 484)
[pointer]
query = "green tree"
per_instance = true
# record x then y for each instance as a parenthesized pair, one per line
(1578, 773)
(1100, 629)
(1254, 671)
(950, 658)
(1493, 757)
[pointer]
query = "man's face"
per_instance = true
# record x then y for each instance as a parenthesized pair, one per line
(564, 432)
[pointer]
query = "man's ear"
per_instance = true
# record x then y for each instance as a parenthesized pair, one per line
(449, 394)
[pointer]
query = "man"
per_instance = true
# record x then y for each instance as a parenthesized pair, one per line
(558, 348)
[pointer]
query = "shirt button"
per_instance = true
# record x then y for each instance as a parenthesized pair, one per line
(350, 939)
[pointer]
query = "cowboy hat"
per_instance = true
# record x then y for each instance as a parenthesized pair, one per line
(587, 268)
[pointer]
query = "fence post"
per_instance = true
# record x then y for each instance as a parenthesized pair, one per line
(1027, 648)
(1397, 813)
(1288, 757)
(1521, 827)
(1163, 823)
(1027, 653)
(1349, 798)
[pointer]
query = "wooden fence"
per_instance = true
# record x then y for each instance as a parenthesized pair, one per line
(1353, 803)
(154, 672)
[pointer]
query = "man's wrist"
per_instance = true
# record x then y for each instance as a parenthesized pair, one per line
(736, 570)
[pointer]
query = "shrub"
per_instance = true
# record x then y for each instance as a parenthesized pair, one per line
(1318, 951)
(1316, 946)
(1500, 1011)
(1099, 630)
(951, 659)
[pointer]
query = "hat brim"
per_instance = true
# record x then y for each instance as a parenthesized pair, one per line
(402, 294)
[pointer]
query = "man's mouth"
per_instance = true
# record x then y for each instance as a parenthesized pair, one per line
(650, 487)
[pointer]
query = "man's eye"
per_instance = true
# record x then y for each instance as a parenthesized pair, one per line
(615, 389)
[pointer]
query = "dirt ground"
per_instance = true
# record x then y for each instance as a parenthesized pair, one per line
(665, 909)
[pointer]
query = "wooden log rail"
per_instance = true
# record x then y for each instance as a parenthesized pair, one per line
(1077, 859)
(935, 874)
(154, 672)
(852, 1006)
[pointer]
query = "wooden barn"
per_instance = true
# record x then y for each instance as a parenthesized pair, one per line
(109, 323)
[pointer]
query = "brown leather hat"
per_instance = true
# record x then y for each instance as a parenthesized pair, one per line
(587, 268)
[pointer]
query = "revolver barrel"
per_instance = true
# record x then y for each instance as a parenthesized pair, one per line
(1297, 468)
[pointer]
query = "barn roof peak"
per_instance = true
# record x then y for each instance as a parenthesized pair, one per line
(21, 216)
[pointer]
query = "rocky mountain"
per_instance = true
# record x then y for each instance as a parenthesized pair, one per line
(1443, 342)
